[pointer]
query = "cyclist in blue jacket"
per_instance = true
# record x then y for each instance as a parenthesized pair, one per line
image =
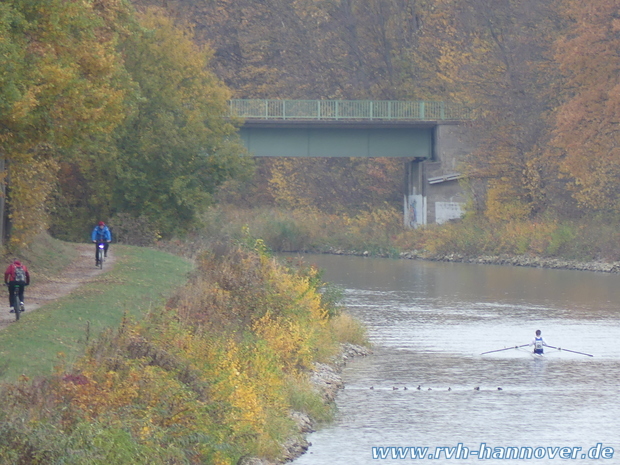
(101, 233)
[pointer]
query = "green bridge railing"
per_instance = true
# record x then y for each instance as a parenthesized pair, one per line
(348, 110)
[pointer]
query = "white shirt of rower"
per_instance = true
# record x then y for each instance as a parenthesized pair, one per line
(538, 342)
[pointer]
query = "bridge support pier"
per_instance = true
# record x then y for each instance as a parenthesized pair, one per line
(414, 199)
(432, 192)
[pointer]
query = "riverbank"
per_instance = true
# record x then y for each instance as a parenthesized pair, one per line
(511, 260)
(327, 381)
(523, 260)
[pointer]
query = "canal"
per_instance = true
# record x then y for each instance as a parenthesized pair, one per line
(429, 323)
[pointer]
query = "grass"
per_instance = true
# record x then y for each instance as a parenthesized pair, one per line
(46, 255)
(348, 329)
(376, 232)
(140, 281)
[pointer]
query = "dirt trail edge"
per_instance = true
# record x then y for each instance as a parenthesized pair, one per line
(80, 271)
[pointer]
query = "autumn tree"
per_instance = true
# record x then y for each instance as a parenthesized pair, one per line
(586, 138)
(173, 145)
(331, 186)
(61, 85)
(308, 49)
(177, 146)
(494, 56)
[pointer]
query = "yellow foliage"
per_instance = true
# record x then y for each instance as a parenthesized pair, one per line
(375, 222)
(347, 329)
(285, 185)
(301, 293)
(240, 392)
(67, 72)
(287, 338)
(527, 237)
(97, 396)
(503, 204)
(31, 182)
(585, 143)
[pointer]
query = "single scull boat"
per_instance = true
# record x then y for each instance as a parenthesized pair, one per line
(535, 355)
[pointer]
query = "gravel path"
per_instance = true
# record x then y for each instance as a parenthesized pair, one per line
(81, 271)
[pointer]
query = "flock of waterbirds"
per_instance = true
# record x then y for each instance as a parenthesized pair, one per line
(420, 388)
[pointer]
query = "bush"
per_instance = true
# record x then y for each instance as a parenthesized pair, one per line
(129, 230)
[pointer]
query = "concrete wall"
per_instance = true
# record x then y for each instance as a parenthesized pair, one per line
(433, 193)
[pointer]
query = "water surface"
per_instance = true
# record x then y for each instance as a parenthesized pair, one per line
(429, 323)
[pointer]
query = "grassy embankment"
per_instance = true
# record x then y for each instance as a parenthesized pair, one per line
(211, 377)
(140, 280)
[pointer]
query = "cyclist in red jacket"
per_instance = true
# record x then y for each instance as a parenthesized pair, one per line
(16, 275)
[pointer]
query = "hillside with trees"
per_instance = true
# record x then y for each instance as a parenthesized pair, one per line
(540, 76)
(111, 109)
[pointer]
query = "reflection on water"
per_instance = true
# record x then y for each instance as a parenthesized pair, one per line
(430, 322)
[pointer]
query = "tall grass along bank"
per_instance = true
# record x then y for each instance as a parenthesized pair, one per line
(586, 243)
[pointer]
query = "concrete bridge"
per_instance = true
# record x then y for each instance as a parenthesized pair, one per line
(429, 136)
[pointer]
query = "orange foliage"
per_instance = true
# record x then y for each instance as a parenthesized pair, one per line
(586, 124)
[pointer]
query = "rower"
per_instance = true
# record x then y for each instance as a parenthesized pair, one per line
(538, 342)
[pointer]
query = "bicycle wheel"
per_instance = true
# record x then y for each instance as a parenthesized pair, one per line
(100, 256)
(16, 304)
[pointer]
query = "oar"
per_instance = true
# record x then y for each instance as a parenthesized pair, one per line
(573, 351)
(506, 348)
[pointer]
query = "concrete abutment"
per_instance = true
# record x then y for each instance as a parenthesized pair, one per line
(432, 190)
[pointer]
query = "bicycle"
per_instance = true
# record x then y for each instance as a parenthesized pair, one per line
(18, 307)
(100, 253)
